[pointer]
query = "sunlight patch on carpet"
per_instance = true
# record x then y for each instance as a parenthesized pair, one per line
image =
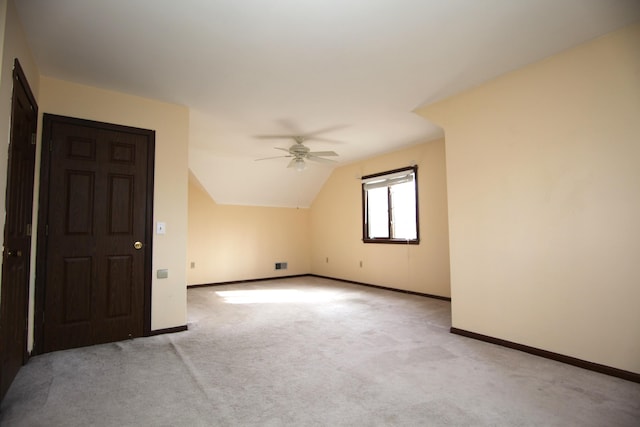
(274, 296)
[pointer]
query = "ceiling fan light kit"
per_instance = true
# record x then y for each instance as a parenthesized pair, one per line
(299, 164)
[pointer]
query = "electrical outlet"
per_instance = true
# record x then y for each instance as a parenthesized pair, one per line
(193, 264)
(360, 264)
(327, 260)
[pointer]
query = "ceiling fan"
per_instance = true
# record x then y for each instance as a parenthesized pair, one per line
(299, 152)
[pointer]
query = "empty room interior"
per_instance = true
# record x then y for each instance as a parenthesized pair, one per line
(320, 212)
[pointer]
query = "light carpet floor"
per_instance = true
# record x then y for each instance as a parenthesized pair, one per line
(312, 352)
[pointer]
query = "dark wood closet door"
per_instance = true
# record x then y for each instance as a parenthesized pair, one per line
(17, 231)
(97, 235)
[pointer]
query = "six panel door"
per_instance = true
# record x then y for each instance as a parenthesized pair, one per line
(97, 212)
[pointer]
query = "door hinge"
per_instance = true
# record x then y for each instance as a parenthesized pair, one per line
(33, 139)
(28, 229)
(46, 230)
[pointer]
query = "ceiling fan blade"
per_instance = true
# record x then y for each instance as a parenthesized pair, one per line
(325, 130)
(330, 141)
(296, 134)
(283, 149)
(274, 157)
(322, 153)
(321, 160)
(290, 125)
(274, 136)
(303, 137)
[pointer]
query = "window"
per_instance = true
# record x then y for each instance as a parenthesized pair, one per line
(390, 207)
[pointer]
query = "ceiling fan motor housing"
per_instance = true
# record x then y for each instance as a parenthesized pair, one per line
(298, 150)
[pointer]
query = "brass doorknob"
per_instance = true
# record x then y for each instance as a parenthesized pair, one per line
(137, 245)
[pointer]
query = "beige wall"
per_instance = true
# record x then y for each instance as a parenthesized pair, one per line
(14, 45)
(229, 243)
(171, 123)
(336, 226)
(543, 172)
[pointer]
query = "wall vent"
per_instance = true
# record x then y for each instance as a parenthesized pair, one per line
(281, 265)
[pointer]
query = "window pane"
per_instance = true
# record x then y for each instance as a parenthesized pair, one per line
(403, 199)
(378, 212)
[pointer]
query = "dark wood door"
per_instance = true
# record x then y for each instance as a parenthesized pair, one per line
(98, 238)
(17, 231)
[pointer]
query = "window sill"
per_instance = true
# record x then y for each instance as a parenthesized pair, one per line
(393, 241)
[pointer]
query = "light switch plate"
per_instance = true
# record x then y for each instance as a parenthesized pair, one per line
(161, 227)
(162, 274)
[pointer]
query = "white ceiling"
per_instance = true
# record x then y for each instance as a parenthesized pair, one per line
(349, 71)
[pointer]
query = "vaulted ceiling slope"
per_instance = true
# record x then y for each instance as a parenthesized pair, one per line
(349, 72)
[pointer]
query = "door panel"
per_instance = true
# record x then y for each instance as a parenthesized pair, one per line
(76, 306)
(120, 286)
(17, 232)
(96, 281)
